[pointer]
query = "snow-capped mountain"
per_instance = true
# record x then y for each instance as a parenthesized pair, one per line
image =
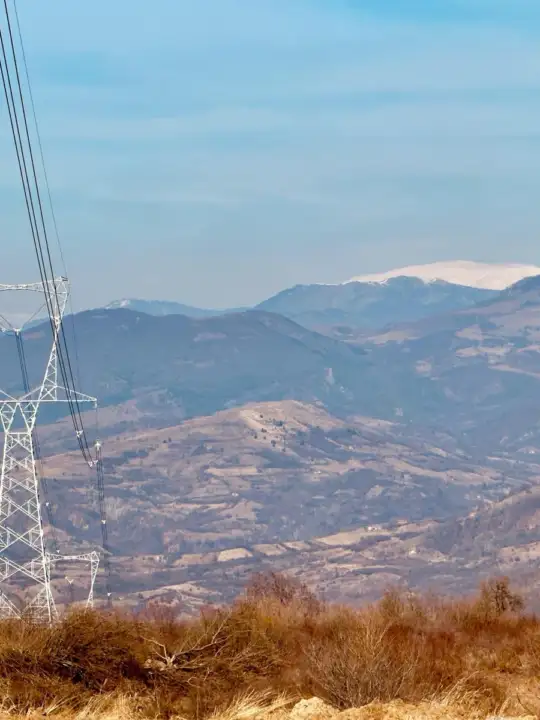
(488, 276)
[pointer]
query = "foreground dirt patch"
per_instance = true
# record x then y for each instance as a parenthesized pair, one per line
(252, 708)
(317, 709)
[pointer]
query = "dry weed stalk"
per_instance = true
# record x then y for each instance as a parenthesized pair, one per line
(187, 653)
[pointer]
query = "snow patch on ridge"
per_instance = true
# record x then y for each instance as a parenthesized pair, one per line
(489, 276)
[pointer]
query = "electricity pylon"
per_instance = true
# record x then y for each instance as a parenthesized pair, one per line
(24, 560)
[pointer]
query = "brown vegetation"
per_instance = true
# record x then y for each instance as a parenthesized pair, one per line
(279, 641)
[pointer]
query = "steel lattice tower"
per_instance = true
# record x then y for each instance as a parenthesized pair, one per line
(24, 560)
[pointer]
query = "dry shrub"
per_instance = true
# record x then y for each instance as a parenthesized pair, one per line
(276, 640)
(362, 657)
(497, 598)
(282, 589)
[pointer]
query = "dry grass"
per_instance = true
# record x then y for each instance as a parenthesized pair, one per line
(405, 655)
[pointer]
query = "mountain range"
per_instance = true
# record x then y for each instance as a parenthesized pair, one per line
(462, 371)
(354, 455)
(371, 301)
(350, 307)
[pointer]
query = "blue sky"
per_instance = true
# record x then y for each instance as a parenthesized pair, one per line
(217, 151)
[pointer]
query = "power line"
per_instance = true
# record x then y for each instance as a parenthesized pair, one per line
(36, 216)
(31, 211)
(38, 135)
(44, 258)
(47, 184)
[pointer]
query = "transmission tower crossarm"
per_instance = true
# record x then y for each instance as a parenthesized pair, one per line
(33, 287)
(70, 395)
(6, 398)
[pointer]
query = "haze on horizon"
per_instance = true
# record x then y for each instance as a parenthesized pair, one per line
(217, 152)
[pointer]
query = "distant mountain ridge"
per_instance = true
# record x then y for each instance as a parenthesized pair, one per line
(356, 304)
(371, 301)
(372, 305)
(161, 308)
